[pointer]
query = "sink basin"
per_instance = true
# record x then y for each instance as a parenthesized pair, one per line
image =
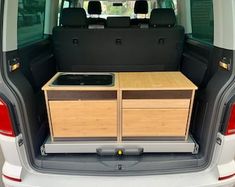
(84, 79)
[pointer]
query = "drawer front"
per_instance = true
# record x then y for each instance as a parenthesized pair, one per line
(156, 103)
(154, 122)
(84, 119)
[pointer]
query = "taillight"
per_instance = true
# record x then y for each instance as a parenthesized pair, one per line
(231, 122)
(12, 178)
(226, 177)
(6, 127)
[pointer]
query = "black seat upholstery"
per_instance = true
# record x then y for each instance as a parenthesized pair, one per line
(141, 7)
(94, 8)
(73, 17)
(158, 48)
(162, 17)
(118, 22)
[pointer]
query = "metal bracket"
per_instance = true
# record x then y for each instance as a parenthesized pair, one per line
(117, 148)
(196, 149)
(43, 151)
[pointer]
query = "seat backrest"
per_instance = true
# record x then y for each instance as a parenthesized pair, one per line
(118, 22)
(119, 49)
(141, 7)
(170, 35)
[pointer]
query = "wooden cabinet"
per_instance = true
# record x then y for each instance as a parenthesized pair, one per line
(80, 112)
(138, 106)
(155, 105)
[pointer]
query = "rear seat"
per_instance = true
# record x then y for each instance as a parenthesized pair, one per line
(94, 9)
(158, 48)
(141, 7)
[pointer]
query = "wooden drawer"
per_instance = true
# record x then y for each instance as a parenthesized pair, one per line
(156, 103)
(154, 122)
(84, 119)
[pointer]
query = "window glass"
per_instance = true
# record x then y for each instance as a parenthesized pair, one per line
(202, 20)
(66, 4)
(167, 4)
(127, 9)
(31, 16)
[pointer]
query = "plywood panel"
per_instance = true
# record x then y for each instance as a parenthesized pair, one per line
(84, 118)
(155, 81)
(156, 103)
(154, 122)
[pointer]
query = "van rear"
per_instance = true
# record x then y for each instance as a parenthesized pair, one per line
(101, 93)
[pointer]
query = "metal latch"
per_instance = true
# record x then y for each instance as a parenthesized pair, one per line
(225, 63)
(119, 151)
(14, 64)
(20, 142)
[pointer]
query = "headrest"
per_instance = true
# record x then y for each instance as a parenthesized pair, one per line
(74, 17)
(118, 22)
(94, 7)
(162, 17)
(141, 7)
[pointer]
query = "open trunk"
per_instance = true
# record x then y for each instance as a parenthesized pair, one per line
(199, 63)
(26, 70)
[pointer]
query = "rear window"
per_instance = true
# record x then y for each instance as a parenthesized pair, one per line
(127, 8)
(31, 16)
(118, 9)
(62, 4)
(166, 4)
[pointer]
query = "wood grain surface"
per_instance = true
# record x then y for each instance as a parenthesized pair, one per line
(154, 122)
(84, 118)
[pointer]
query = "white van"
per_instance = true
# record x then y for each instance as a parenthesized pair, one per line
(40, 38)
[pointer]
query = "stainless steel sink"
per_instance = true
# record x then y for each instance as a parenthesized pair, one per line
(84, 79)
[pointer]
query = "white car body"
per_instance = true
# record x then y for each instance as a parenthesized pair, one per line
(222, 166)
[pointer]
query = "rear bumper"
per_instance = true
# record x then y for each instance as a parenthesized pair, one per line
(31, 178)
(200, 179)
